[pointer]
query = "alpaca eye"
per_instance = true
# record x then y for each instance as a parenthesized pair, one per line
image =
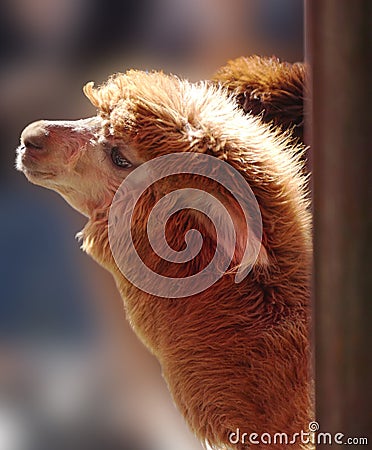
(118, 159)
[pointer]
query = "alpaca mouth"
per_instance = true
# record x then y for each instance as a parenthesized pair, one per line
(27, 162)
(30, 173)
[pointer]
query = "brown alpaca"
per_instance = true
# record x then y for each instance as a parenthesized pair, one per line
(267, 87)
(236, 355)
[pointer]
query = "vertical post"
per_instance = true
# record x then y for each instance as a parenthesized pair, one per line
(338, 40)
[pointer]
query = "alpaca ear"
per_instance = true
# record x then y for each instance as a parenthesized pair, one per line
(268, 88)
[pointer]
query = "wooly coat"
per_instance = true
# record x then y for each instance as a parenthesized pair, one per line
(267, 87)
(235, 356)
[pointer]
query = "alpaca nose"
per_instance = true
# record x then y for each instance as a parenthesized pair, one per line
(35, 135)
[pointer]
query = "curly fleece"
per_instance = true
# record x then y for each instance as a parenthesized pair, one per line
(235, 355)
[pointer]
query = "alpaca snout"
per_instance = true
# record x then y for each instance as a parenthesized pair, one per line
(49, 148)
(34, 155)
(35, 136)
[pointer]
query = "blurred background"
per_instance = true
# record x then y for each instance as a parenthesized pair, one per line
(72, 374)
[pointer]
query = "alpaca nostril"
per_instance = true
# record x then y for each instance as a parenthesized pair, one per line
(30, 143)
(34, 136)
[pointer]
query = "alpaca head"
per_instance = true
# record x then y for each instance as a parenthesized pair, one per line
(143, 116)
(76, 159)
(140, 116)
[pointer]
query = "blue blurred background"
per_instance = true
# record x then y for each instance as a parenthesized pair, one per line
(72, 374)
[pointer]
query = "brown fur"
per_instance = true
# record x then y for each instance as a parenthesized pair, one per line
(235, 355)
(267, 87)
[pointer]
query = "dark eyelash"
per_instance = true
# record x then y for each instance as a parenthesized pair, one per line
(118, 159)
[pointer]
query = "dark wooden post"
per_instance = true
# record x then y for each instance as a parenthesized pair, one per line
(338, 50)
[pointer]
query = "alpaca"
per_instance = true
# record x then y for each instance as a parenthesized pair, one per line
(235, 355)
(270, 88)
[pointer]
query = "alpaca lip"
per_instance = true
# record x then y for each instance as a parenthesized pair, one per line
(28, 161)
(30, 173)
